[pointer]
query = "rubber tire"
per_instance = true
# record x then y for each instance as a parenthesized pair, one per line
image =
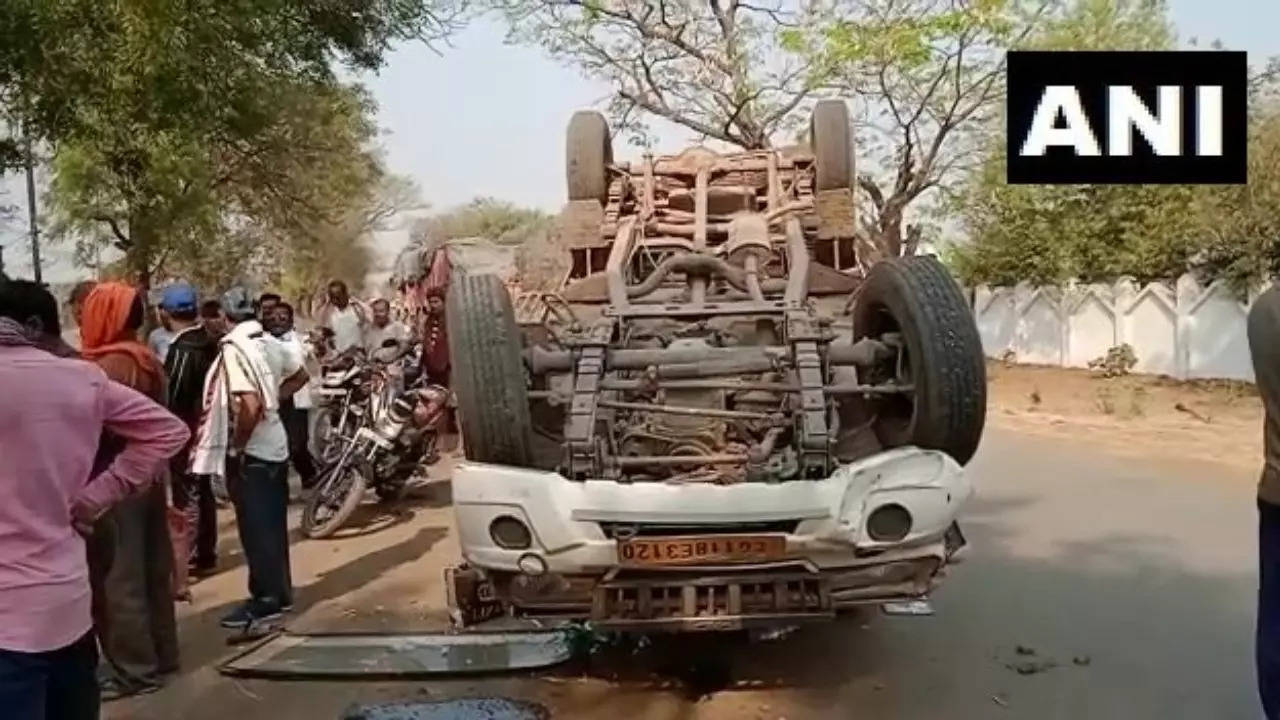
(588, 153)
(487, 371)
(352, 500)
(831, 137)
(944, 349)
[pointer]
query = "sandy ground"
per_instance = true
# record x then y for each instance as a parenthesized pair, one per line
(1135, 416)
(1112, 537)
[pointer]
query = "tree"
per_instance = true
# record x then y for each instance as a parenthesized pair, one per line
(1048, 234)
(497, 220)
(926, 76)
(174, 121)
(200, 206)
(340, 248)
(1239, 225)
(713, 66)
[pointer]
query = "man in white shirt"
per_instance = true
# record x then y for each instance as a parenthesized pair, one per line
(385, 339)
(257, 462)
(160, 338)
(346, 319)
(295, 411)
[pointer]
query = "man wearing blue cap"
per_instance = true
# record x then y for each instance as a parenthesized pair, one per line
(191, 353)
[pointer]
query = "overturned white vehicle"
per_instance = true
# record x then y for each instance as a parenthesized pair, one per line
(716, 422)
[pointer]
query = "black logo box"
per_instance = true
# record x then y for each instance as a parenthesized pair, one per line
(1091, 73)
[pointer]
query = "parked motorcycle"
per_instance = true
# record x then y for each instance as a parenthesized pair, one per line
(343, 392)
(383, 436)
(346, 386)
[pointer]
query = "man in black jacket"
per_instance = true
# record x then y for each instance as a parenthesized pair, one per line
(191, 354)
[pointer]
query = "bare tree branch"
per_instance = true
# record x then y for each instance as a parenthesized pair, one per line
(122, 240)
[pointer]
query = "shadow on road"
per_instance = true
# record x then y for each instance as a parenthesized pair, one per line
(203, 641)
(1130, 586)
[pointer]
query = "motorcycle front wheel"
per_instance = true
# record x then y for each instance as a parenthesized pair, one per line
(334, 498)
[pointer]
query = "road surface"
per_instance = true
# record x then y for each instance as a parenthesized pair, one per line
(1124, 587)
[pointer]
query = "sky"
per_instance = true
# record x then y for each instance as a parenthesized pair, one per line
(484, 118)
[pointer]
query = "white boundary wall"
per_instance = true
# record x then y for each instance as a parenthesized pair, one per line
(1184, 331)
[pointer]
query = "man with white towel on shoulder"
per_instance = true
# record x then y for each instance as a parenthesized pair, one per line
(242, 438)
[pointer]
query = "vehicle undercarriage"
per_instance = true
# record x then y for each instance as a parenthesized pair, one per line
(711, 350)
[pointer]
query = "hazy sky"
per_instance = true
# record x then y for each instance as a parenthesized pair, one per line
(486, 118)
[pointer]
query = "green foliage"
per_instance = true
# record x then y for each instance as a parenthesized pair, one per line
(340, 248)
(179, 64)
(927, 77)
(1240, 226)
(1107, 25)
(1050, 233)
(497, 220)
(1119, 360)
(188, 133)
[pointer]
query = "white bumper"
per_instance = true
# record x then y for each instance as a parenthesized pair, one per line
(825, 519)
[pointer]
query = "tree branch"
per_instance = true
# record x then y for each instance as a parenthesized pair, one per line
(877, 196)
(122, 240)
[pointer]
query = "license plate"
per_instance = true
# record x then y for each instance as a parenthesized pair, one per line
(701, 550)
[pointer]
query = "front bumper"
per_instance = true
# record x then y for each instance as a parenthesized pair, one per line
(831, 562)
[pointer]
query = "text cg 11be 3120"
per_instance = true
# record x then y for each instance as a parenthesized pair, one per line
(1127, 117)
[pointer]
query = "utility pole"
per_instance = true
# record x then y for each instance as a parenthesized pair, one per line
(31, 212)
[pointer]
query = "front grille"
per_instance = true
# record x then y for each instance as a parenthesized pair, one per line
(615, 530)
(658, 599)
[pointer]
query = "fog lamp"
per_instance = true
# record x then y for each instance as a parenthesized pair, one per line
(509, 533)
(889, 523)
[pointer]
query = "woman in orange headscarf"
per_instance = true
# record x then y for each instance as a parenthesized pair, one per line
(130, 556)
(112, 317)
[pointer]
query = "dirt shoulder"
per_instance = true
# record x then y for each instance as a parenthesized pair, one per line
(1134, 416)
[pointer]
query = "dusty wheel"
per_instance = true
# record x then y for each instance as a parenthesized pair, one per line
(831, 138)
(588, 152)
(488, 371)
(335, 497)
(915, 300)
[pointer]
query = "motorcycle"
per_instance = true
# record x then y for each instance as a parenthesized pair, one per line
(340, 397)
(346, 386)
(391, 433)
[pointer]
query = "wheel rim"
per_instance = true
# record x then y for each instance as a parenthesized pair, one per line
(895, 413)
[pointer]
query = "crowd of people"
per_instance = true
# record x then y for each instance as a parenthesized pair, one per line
(115, 452)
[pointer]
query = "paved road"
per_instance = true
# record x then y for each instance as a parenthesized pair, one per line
(1134, 579)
